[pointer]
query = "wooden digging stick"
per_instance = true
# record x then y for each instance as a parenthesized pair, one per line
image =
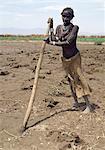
(33, 94)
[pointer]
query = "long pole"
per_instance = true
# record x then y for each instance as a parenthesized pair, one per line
(33, 94)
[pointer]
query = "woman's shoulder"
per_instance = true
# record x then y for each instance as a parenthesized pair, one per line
(76, 26)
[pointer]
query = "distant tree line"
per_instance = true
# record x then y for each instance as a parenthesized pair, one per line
(41, 36)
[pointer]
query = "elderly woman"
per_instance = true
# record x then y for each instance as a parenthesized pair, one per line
(66, 36)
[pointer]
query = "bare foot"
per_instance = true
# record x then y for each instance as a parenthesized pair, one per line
(76, 106)
(88, 110)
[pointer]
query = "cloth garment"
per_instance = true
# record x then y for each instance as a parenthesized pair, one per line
(73, 69)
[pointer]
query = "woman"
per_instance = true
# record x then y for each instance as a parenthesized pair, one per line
(66, 36)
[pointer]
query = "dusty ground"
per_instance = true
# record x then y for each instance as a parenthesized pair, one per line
(52, 126)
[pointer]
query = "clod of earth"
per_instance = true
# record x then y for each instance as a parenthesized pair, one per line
(3, 73)
(41, 76)
(34, 58)
(11, 59)
(57, 93)
(50, 102)
(65, 139)
(27, 87)
(66, 146)
(48, 72)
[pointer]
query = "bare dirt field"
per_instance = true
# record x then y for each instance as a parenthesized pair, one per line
(52, 126)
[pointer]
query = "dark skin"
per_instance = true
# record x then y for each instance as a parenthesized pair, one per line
(68, 46)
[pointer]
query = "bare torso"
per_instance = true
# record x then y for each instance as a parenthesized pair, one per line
(68, 36)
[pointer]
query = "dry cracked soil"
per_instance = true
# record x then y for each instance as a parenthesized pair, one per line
(52, 124)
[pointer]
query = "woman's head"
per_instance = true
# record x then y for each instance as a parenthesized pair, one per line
(67, 15)
(68, 11)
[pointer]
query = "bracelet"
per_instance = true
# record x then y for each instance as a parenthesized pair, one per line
(53, 42)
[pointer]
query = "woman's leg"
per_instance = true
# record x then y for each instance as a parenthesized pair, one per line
(75, 103)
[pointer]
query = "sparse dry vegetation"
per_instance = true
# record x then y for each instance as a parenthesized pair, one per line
(98, 40)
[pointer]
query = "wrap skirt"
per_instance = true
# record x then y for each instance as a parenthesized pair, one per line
(72, 67)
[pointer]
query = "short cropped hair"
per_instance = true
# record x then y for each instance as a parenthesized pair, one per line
(70, 11)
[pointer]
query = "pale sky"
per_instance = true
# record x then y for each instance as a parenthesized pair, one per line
(30, 14)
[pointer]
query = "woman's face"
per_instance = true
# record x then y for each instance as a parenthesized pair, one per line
(66, 18)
